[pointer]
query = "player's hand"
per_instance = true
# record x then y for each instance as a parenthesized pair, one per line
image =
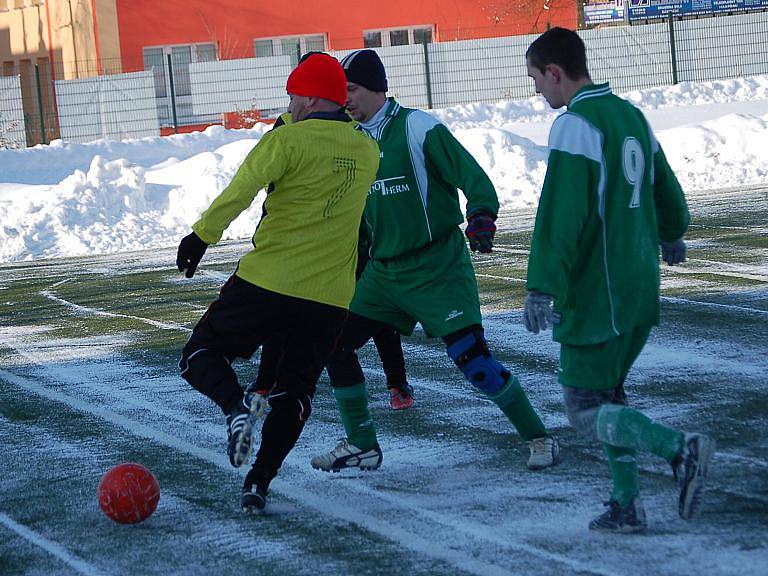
(481, 227)
(191, 250)
(673, 252)
(537, 312)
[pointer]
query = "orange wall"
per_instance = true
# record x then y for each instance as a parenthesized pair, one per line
(234, 24)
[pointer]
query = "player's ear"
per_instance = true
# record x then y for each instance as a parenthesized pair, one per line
(555, 71)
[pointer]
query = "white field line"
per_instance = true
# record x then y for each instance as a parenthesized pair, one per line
(506, 278)
(53, 548)
(505, 250)
(742, 459)
(747, 309)
(322, 504)
(714, 272)
(127, 398)
(676, 269)
(96, 312)
(671, 299)
(477, 530)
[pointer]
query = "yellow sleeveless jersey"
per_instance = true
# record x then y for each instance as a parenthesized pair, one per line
(306, 242)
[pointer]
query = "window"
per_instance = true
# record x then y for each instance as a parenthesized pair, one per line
(372, 39)
(156, 59)
(397, 36)
(293, 46)
(264, 48)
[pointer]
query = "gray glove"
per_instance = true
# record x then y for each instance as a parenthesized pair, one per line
(537, 313)
(673, 252)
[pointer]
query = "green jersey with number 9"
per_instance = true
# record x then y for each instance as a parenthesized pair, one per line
(609, 195)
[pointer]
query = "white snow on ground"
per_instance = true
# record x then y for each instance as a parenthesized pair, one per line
(75, 199)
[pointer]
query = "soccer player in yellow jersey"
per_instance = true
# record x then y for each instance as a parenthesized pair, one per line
(299, 277)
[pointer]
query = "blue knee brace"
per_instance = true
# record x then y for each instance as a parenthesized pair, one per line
(483, 371)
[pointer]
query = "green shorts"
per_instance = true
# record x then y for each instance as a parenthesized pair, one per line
(434, 286)
(601, 366)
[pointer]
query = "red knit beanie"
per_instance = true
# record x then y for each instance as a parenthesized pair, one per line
(321, 76)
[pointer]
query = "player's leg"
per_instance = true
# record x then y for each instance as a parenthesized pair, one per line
(390, 349)
(688, 454)
(625, 512)
(469, 351)
(443, 297)
(360, 448)
(311, 331)
(269, 363)
(375, 306)
(234, 326)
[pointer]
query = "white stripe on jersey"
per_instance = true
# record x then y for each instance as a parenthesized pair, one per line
(417, 125)
(575, 135)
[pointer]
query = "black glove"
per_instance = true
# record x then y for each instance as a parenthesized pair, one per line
(481, 227)
(673, 252)
(191, 250)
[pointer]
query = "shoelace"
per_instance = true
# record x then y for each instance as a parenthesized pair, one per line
(539, 446)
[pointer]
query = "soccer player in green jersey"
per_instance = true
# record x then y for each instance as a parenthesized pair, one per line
(609, 199)
(419, 269)
(299, 277)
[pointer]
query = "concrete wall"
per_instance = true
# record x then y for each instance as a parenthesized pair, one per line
(234, 24)
(78, 36)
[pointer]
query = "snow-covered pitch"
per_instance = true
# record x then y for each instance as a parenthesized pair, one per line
(89, 344)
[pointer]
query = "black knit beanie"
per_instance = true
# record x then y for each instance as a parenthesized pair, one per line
(364, 67)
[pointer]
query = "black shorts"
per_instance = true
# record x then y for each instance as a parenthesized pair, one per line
(244, 316)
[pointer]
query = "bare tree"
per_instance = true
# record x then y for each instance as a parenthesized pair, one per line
(509, 11)
(227, 45)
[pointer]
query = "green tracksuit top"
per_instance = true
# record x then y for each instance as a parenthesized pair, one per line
(609, 195)
(414, 200)
(306, 242)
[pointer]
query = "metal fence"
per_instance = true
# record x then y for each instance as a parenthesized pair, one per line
(176, 94)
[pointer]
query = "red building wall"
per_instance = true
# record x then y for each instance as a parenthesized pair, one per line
(234, 24)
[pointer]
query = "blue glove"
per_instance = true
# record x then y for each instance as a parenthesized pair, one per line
(481, 227)
(537, 312)
(673, 252)
(191, 250)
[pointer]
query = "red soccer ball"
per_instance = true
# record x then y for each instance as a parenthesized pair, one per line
(128, 493)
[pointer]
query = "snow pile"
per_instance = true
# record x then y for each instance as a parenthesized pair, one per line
(75, 199)
(730, 151)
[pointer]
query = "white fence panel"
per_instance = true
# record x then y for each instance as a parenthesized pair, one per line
(117, 107)
(722, 47)
(630, 57)
(12, 131)
(479, 70)
(239, 85)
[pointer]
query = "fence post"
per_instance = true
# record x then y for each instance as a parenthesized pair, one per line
(173, 97)
(40, 105)
(427, 74)
(672, 47)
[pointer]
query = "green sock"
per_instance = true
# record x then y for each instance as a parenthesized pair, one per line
(514, 403)
(353, 407)
(623, 465)
(627, 428)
